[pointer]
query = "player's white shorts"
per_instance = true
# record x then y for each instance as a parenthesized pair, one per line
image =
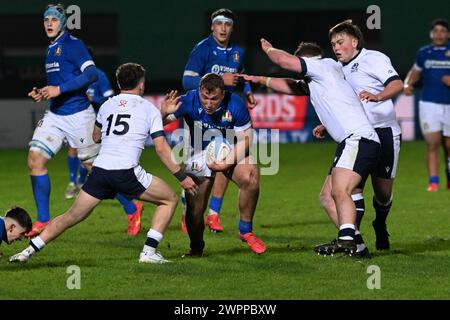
(77, 128)
(196, 165)
(434, 117)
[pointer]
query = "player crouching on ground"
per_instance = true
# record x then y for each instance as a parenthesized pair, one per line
(123, 125)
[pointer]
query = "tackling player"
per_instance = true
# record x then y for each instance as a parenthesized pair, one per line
(123, 125)
(14, 225)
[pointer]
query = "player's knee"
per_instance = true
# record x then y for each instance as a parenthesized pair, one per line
(338, 195)
(36, 161)
(325, 199)
(250, 180)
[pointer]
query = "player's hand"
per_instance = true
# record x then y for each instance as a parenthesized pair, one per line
(251, 101)
(170, 103)
(319, 131)
(253, 79)
(408, 90)
(219, 166)
(50, 92)
(367, 96)
(265, 45)
(446, 80)
(189, 185)
(23, 256)
(35, 94)
(230, 79)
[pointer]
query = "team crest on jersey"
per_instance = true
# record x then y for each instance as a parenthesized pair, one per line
(195, 166)
(58, 51)
(123, 103)
(236, 56)
(354, 67)
(227, 116)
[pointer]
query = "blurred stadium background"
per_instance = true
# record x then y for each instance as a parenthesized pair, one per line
(161, 34)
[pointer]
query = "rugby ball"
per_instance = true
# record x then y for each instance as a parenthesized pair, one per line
(217, 150)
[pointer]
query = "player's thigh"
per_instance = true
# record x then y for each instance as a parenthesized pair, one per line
(48, 137)
(431, 117)
(79, 134)
(196, 204)
(159, 192)
(344, 180)
(245, 173)
(386, 167)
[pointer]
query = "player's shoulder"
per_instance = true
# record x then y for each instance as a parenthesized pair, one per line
(374, 54)
(234, 101)
(190, 96)
(425, 49)
(202, 45)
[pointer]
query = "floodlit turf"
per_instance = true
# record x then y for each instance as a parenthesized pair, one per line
(288, 219)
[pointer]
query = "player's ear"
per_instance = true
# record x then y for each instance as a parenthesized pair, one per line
(431, 34)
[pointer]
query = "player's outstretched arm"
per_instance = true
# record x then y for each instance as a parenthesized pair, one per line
(282, 58)
(97, 134)
(282, 85)
(35, 94)
(164, 152)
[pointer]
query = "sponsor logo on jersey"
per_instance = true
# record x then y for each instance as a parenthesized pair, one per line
(218, 69)
(437, 64)
(354, 67)
(236, 56)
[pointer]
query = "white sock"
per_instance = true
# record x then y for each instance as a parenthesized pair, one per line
(212, 212)
(37, 243)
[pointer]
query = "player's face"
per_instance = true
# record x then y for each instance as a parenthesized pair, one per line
(439, 35)
(15, 232)
(222, 32)
(51, 26)
(344, 46)
(211, 100)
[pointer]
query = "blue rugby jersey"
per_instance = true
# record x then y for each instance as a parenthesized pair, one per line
(209, 57)
(2, 230)
(434, 62)
(231, 115)
(66, 59)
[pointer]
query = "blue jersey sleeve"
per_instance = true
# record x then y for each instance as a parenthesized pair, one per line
(104, 86)
(420, 60)
(242, 120)
(194, 68)
(79, 55)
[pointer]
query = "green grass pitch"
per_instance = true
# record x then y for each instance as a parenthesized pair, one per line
(288, 219)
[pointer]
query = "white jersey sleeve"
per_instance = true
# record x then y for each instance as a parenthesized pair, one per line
(156, 124)
(312, 67)
(384, 70)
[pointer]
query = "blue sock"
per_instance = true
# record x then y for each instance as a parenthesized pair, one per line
(245, 227)
(83, 174)
(128, 205)
(215, 204)
(41, 191)
(73, 164)
(434, 179)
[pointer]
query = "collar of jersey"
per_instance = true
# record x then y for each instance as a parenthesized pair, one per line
(213, 42)
(64, 36)
(352, 59)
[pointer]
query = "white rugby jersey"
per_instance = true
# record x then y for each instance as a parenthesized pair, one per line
(126, 121)
(335, 102)
(371, 71)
